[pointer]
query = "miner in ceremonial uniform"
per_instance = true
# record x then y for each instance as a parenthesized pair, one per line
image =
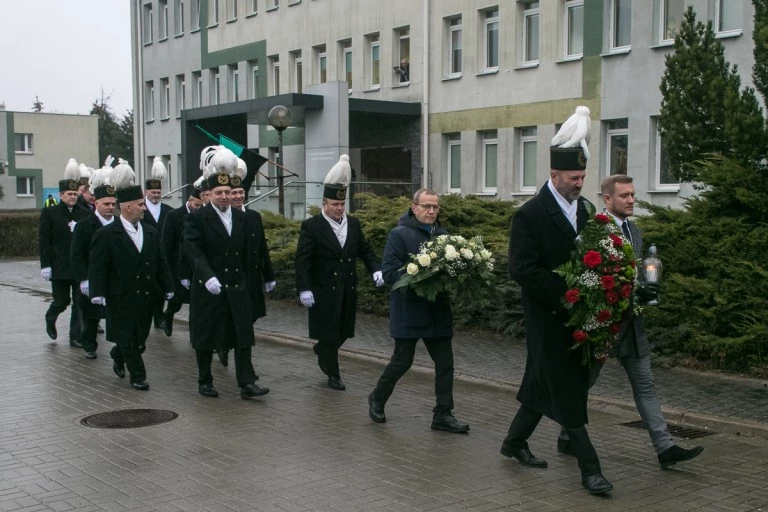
(155, 216)
(220, 310)
(56, 226)
(85, 199)
(127, 273)
(103, 215)
(326, 271)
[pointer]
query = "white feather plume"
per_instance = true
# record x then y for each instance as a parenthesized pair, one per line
(108, 161)
(122, 175)
(224, 161)
(575, 131)
(100, 177)
(158, 172)
(198, 182)
(72, 170)
(242, 169)
(205, 157)
(83, 170)
(340, 173)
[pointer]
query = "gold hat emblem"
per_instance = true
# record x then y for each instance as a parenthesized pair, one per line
(223, 179)
(341, 194)
(72, 185)
(235, 181)
(582, 159)
(110, 190)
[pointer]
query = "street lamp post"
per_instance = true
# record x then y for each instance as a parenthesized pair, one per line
(280, 118)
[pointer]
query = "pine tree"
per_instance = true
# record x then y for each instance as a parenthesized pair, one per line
(760, 38)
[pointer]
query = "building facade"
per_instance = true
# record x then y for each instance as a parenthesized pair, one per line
(35, 149)
(462, 96)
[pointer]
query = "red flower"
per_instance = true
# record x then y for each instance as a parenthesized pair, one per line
(601, 358)
(580, 336)
(611, 297)
(607, 282)
(626, 290)
(615, 328)
(617, 241)
(592, 259)
(572, 295)
(603, 316)
(601, 218)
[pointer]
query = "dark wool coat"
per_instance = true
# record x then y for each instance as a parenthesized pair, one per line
(214, 253)
(260, 265)
(56, 238)
(149, 220)
(79, 254)
(329, 271)
(632, 340)
(130, 281)
(541, 239)
(172, 239)
(411, 316)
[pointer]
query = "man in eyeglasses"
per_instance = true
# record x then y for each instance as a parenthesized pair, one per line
(412, 317)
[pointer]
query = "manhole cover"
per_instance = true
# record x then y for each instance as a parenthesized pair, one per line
(675, 430)
(129, 418)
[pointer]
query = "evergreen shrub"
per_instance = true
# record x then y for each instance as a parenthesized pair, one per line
(19, 233)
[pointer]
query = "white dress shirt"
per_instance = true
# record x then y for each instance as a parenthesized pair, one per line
(339, 228)
(226, 218)
(136, 233)
(569, 209)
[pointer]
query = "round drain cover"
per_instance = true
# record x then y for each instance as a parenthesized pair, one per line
(129, 418)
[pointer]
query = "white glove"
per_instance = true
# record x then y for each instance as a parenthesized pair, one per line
(268, 287)
(71, 225)
(307, 299)
(84, 287)
(46, 273)
(185, 283)
(99, 301)
(213, 285)
(378, 278)
(169, 296)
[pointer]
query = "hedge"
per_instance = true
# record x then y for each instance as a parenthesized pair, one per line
(18, 233)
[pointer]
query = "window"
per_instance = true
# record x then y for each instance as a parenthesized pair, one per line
(491, 44)
(273, 4)
(178, 17)
(374, 63)
(454, 162)
(618, 143)
(162, 8)
(149, 101)
(231, 10)
(233, 77)
(346, 61)
(181, 94)
(454, 46)
(321, 64)
(297, 71)
(254, 6)
(528, 149)
(663, 173)
(671, 17)
(165, 100)
(531, 33)
(403, 54)
(23, 143)
(490, 160)
(728, 16)
(25, 186)
(197, 92)
(214, 15)
(574, 28)
(253, 76)
(275, 65)
(195, 14)
(215, 86)
(168, 166)
(147, 20)
(621, 22)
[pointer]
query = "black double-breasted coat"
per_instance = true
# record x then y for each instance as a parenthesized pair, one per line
(55, 239)
(541, 239)
(329, 271)
(260, 264)
(214, 253)
(172, 239)
(149, 220)
(129, 280)
(79, 253)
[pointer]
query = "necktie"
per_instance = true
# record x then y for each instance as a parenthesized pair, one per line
(625, 229)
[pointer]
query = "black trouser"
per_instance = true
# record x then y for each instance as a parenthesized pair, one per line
(129, 353)
(441, 352)
(157, 310)
(64, 293)
(525, 423)
(174, 306)
(328, 355)
(243, 366)
(90, 323)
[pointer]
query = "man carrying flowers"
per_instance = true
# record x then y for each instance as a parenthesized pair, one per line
(412, 317)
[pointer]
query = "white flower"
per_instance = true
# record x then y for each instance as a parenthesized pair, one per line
(485, 254)
(467, 254)
(433, 255)
(412, 268)
(424, 260)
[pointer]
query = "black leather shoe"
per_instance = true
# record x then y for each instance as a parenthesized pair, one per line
(168, 325)
(90, 355)
(207, 390)
(336, 383)
(223, 357)
(75, 344)
(141, 386)
(523, 456)
(448, 423)
(252, 390)
(564, 447)
(376, 410)
(596, 484)
(118, 369)
(675, 454)
(50, 328)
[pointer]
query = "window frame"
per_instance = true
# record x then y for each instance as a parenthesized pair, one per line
(526, 139)
(488, 67)
(297, 71)
(214, 11)
(178, 17)
(165, 100)
(162, 22)
(181, 93)
(233, 71)
(29, 182)
(658, 158)
(346, 62)
(402, 35)
(149, 101)
(148, 20)
(232, 10)
(490, 138)
(612, 132)
(374, 61)
(194, 10)
(569, 7)
(719, 31)
(274, 64)
(254, 74)
(453, 141)
(273, 4)
(321, 63)
(27, 144)
(215, 92)
(663, 16)
(197, 94)
(254, 7)
(455, 60)
(530, 13)
(613, 25)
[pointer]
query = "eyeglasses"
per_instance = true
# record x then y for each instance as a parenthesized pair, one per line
(435, 207)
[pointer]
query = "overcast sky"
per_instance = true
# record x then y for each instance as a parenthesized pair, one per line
(65, 52)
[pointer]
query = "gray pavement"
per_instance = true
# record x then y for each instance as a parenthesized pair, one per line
(306, 447)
